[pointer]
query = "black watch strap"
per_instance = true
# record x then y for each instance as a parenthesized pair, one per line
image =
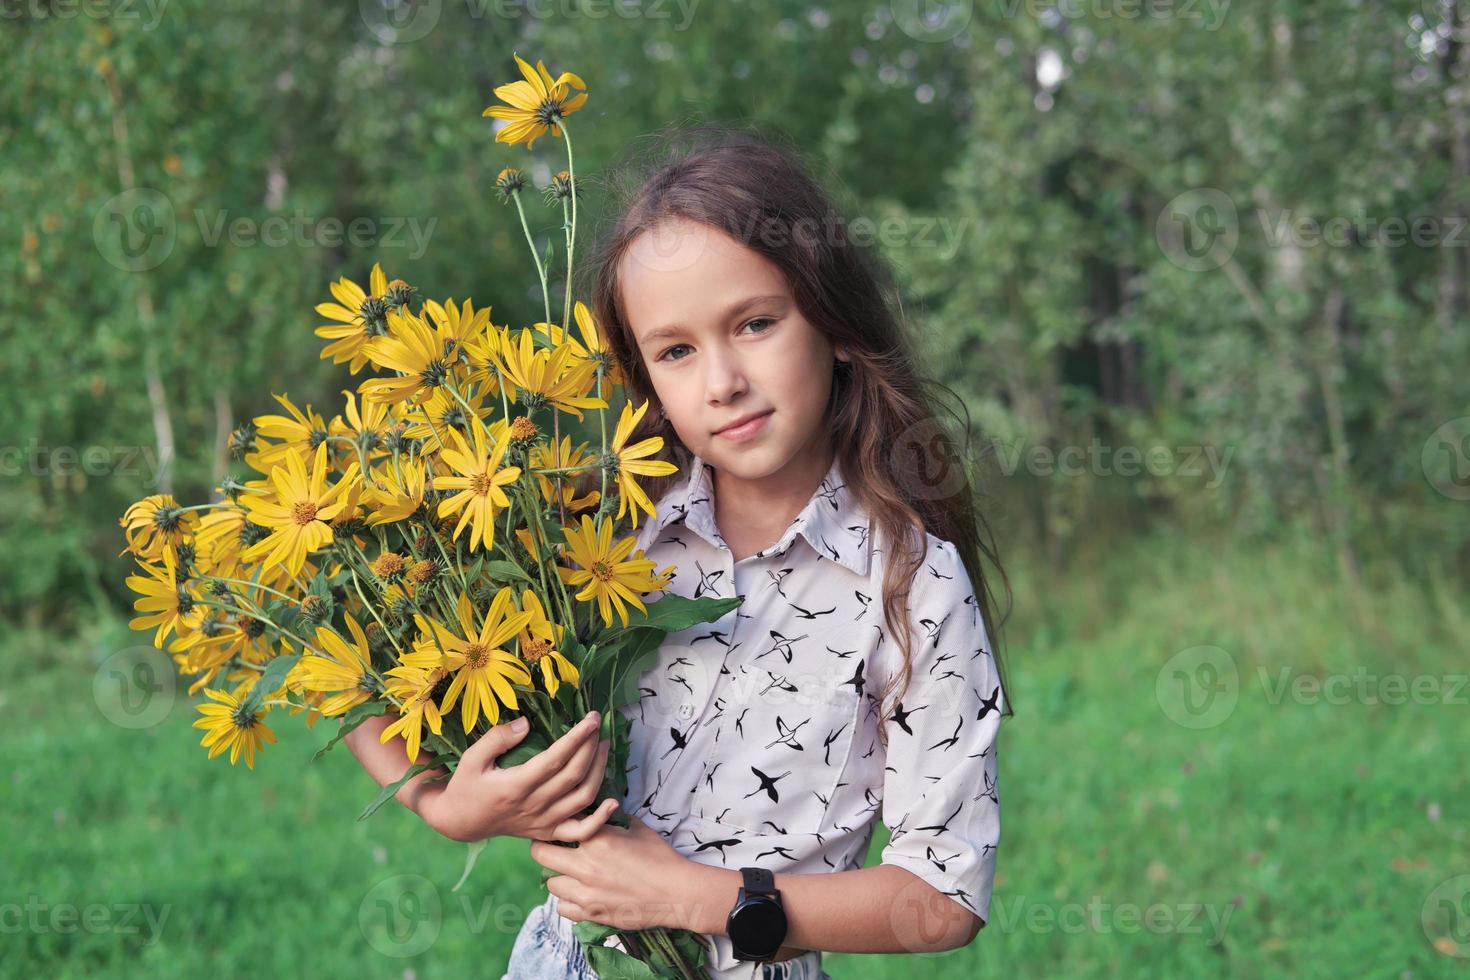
(758, 881)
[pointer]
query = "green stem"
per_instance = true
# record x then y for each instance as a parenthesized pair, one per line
(535, 257)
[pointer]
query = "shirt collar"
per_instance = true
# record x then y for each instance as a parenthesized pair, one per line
(833, 522)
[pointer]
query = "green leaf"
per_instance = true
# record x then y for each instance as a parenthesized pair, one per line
(354, 717)
(471, 856)
(275, 672)
(504, 571)
(674, 612)
(591, 933)
(614, 964)
(386, 793)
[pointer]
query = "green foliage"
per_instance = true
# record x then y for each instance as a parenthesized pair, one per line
(1040, 167)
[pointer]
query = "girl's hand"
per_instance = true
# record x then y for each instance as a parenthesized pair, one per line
(626, 878)
(542, 798)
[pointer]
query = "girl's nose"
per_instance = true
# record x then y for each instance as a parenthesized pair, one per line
(724, 377)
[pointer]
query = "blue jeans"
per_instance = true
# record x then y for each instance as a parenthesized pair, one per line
(545, 949)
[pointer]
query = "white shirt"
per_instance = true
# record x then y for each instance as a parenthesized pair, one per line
(755, 738)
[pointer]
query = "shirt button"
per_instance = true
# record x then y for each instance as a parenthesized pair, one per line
(686, 711)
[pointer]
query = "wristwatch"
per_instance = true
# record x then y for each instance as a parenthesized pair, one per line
(757, 923)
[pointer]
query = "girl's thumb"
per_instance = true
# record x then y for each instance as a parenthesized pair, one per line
(488, 747)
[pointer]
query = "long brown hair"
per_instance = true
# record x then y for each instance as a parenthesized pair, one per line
(897, 458)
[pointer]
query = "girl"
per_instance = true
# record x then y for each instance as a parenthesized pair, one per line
(855, 681)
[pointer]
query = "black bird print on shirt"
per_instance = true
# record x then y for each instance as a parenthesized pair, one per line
(901, 716)
(720, 845)
(786, 736)
(804, 663)
(768, 783)
(781, 644)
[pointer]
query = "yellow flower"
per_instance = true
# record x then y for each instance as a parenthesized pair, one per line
(154, 525)
(557, 377)
(483, 671)
(219, 542)
(594, 349)
(607, 574)
(360, 316)
(461, 323)
(391, 500)
(543, 458)
(441, 411)
(479, 484)
(233, 723)
(536, 104)
(413, 688)
(343, 675)
(421, 355)
(632, 462)
(166, 603)
(538, 645)
(297, 512)
(368, 426)
(300, 432)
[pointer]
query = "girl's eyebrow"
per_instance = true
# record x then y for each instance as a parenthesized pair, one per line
(733, 310)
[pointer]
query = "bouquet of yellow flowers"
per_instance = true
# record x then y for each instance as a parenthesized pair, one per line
(436, 545)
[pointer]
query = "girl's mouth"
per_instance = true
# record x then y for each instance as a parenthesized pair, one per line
(746, 430)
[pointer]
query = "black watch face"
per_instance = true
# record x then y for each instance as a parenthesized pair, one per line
(758, 928)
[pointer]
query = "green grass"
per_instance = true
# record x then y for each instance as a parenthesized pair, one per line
(1315, 831)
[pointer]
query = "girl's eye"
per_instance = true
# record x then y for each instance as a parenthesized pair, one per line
(765, 320)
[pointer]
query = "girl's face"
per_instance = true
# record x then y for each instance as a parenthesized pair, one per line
(720, 333)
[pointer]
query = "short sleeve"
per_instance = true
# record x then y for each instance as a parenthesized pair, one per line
(940, 798)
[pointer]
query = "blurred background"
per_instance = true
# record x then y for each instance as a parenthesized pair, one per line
(1197, 269)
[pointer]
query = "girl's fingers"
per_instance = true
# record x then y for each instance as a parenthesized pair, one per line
(583, 828)
(563, 781)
